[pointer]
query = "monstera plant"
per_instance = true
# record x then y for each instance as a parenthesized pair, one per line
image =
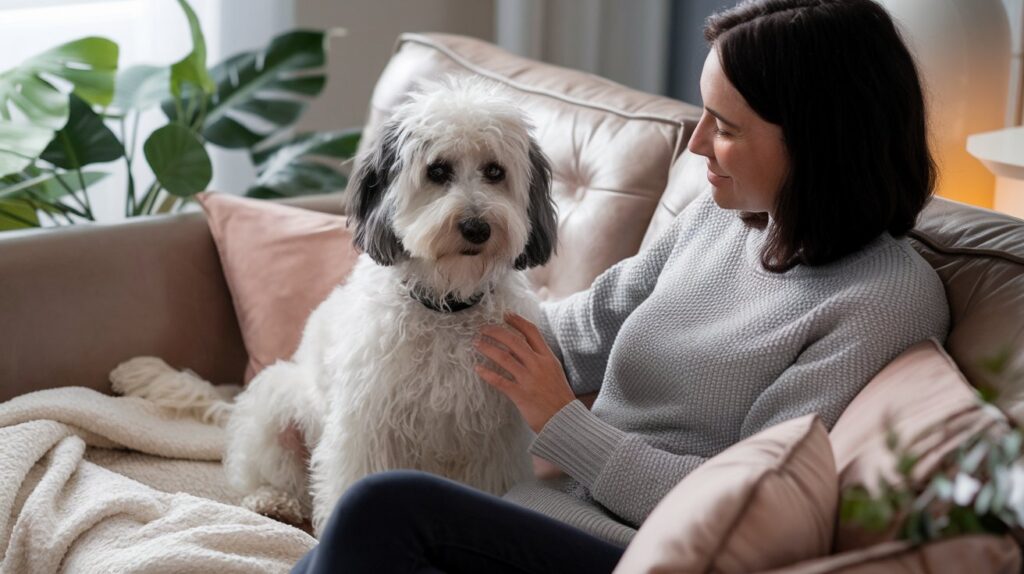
(57, 111)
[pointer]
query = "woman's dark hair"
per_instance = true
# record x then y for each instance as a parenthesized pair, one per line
(835, 75)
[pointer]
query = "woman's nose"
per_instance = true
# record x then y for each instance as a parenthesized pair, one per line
(700, 141)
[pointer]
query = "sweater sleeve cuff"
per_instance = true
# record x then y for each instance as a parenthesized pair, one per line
(578, 442)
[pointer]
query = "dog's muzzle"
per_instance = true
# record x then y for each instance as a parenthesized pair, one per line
(475, 230)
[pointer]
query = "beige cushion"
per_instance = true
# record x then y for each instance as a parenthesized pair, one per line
(765, 502)
(960, 555)
(610, 146)
(918, 390)
(280, 263)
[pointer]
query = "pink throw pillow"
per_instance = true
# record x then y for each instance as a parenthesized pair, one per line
(280, 263)
(765, 502)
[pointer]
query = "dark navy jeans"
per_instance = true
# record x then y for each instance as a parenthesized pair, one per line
(407, 521)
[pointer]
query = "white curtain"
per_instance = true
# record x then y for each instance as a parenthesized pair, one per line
(625, 41)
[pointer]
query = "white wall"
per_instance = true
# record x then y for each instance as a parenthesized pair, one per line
(1015, 105)
(356, 60)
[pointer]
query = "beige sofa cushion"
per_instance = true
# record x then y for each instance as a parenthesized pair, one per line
(960, 555)
(767, 501)
(610, 146)
(280, 263)
(918, 390)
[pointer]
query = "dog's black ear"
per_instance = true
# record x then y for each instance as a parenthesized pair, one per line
(542, 213)
(365, 193)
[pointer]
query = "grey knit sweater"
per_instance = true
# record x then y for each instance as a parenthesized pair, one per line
(693, 347)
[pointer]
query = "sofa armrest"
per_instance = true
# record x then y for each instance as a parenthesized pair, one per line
(78, 301)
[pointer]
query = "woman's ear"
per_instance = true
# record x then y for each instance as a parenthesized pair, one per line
(366, 191)
(541, 212)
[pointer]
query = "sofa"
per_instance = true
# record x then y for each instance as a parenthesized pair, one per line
(78, 301)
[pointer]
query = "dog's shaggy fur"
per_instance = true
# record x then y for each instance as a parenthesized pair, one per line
(450, 203)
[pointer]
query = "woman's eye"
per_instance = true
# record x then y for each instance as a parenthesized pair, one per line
(721, 132)
(494, 173)
(439, 172)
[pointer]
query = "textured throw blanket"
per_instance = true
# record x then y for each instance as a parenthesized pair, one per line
(93, 483)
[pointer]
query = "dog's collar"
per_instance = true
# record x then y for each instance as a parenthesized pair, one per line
(451, 303)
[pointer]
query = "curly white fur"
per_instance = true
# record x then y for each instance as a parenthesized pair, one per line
(380, 381)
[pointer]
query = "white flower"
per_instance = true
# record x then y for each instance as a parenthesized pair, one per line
(965, 487)
(1016, 498)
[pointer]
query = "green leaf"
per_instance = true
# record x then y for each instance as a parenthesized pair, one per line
(33, 105)
(17, 214)
(906, 464)
(179, 160)
(141, 87)
(892, 439)
(974, 456)
(998, 362)
(303, 165)
(259, 93)
(943, 487)
(20, 143)
(191, 70)
(983, 502)
(84, 140)
(1012, 443)
(42, 184)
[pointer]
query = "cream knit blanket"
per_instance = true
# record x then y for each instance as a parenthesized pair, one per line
(93, 483)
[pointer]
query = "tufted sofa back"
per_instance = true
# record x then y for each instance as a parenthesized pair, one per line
(610, 147)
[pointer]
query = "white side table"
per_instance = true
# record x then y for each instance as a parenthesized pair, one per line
(1002, 152)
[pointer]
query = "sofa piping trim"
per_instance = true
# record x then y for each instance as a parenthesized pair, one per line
(935, 245)
(458, 59)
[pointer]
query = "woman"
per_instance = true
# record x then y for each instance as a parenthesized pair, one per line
(780, 293)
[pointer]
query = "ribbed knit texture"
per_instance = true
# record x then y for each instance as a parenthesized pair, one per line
(694, 347)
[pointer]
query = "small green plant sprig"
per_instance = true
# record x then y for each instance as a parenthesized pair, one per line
(978, 488)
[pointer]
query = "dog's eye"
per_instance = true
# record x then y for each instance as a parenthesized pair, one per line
(494, 173)
(439, 172)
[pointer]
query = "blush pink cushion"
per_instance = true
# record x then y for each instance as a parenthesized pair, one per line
(765, 502)
(917, 393)
(279, 262)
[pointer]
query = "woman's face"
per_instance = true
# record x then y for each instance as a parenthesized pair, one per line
(747, 157)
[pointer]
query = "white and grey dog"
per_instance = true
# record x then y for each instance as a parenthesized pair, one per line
(450, 204)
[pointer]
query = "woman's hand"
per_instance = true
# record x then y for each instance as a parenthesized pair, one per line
(538, 386)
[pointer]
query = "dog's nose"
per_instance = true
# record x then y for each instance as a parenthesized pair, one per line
(475, 230)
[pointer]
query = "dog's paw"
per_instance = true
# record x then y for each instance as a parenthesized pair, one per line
(275, 504)
(134, 376)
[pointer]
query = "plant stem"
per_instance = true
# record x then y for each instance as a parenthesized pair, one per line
(38, 200)
(86, 213)
(197, 127)
(167, 204)
(146, 207)
(141, 205)
(190, 113)
(85, 192)
(129, 199)
(184, 202)
(179, 111)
